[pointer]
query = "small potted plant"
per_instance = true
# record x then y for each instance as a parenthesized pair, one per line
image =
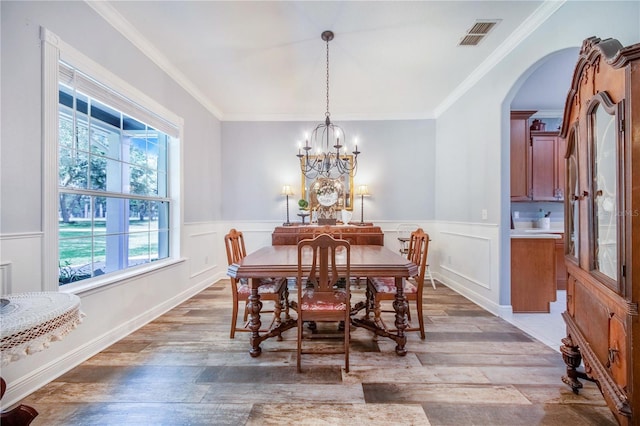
(303, 205)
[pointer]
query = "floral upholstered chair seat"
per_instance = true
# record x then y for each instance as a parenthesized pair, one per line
(313, 301)
(267, 286)
(388, 285)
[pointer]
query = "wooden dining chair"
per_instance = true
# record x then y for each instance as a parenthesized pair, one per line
(335, 232)
(320, 299)
(404, 236)
(270, 289)
(380, 289)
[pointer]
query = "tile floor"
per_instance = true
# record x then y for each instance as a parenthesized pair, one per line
(182, 369)
(547, 328)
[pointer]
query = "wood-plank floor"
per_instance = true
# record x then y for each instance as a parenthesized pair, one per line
(182, 369)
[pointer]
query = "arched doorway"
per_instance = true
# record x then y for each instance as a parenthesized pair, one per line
(542, 88)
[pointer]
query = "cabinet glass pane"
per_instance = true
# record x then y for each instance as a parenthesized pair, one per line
(572, 203)
(605, 193)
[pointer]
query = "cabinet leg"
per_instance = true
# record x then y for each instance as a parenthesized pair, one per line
(572, 357)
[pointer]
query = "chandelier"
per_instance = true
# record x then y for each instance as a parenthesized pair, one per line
(324, 154)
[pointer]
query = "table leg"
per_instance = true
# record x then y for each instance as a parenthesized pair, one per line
(21, 415)
(254, 306)
(401, 307)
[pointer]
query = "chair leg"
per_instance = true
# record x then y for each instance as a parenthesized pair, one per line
(286, 303)
(433, 283)
(277, 312)
(346, 343)
(234, 318)
(377, 312)
(368, 302)
(420, 317)
(246, 311)
(299, 361)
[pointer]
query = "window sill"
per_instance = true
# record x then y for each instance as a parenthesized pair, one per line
(90, 285)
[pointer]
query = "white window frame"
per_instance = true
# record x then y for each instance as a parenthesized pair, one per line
(53, 50)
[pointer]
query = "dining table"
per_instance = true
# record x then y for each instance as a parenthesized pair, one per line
(366, 261)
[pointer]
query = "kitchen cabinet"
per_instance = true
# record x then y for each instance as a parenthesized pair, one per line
(520, 156)
(547, 166)
(533, 273)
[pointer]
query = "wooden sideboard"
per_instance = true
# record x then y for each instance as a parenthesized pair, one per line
(356, 234)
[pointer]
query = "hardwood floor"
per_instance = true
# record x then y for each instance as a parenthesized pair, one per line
(473, 368)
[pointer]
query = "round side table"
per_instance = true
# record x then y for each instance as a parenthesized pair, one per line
(29, 322)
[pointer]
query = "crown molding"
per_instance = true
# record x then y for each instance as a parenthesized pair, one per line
(316, 117)
(537, 18)
(548, 113)
(124, 27)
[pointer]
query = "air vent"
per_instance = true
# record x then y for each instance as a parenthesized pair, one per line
(477, 32)
(470, 40)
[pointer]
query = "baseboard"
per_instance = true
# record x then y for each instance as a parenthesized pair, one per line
(481, 301)
(28, 384)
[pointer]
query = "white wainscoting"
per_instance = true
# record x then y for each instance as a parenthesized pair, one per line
(5, 277)
(113, 311)
(465, 256)
(474, 269)
(21, 253)
(204, 247)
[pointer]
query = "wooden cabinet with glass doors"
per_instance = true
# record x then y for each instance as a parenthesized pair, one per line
(601, 125)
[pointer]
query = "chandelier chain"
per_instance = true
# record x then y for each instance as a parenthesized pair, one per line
(328, 113)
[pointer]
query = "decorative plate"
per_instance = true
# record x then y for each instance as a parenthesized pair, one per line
(328, 197)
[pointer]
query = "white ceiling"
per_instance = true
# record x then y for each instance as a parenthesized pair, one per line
(265, 60)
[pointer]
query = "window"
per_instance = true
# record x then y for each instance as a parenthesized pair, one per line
(111, 159)
(114, 208)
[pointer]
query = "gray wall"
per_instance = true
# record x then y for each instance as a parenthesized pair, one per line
(471, 134)
(448, 170)
(397, 162)
(20, 155)
(474, 157)
(547, 86)
(113, 310)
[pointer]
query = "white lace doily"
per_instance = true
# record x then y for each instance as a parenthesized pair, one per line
(31, 321)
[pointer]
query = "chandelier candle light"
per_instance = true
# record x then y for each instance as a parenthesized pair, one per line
(324, 161)
(363, 191)
(287, 191)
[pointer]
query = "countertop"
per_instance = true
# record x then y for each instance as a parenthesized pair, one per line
(537, 233)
